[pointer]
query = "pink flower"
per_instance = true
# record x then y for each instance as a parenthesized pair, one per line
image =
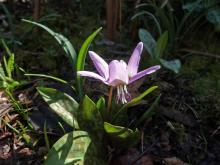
(118, 73)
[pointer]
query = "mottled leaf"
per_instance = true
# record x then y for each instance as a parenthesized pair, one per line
(173, 65)
(148, 40)
(122, 135)
(69, 149)
(62, 104)
(89, 116)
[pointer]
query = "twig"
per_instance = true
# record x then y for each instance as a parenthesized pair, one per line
(216, 130)
(143, 153)
(201, 53)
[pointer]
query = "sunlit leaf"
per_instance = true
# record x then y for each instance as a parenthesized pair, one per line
(62, 104)
(89, 116)
(10, 65)
(2, 72)
(141, 96)
(69, 149)
(134, 101)
(122, 135)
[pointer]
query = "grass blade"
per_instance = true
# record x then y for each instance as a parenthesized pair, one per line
(47, 76)
(63, 41)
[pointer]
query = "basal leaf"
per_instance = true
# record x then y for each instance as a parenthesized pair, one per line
(62, 104)
(134, 101)
(148, 40)
(150, 111)
(161, 44)
(102, 107)
(141, 96)
(82, 57)
(89, 117)
(69, 149)
(196, 6)
(122, 135)
(213, 17)
(173, 65)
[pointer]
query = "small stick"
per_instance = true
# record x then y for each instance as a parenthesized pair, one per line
(201, 53)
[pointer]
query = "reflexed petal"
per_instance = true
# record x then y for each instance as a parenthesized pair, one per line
(118, 73)
(144, 72)
(100, 64)
(134, 60)
(91, 74)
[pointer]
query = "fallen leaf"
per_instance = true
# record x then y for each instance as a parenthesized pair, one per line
(174, 161)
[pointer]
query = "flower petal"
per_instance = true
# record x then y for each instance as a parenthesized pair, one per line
(144, 72)
(118, 74)
(100, 64)
(134, 60)
(91, 74)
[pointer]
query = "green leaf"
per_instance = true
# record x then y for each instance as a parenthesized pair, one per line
(6, 48)
(150, 15)
(46, 136)
(62, 104)
(196, 6)
(213, 17)
(161, 44)
(12, 85)
(2, 72)
(102, 107)
(173, 65)
(89, 117)
(10, 65)
(141, 96)
(149, 113)
(69, 149)
(63, 41)
(100, 103)
(82, 57)
(148, 40)
(122, 135)
(134, 101)
(47, 76)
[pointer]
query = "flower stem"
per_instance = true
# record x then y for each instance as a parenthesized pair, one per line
(110, 99)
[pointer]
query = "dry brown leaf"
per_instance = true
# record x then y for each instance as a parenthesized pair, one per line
(174, 161)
